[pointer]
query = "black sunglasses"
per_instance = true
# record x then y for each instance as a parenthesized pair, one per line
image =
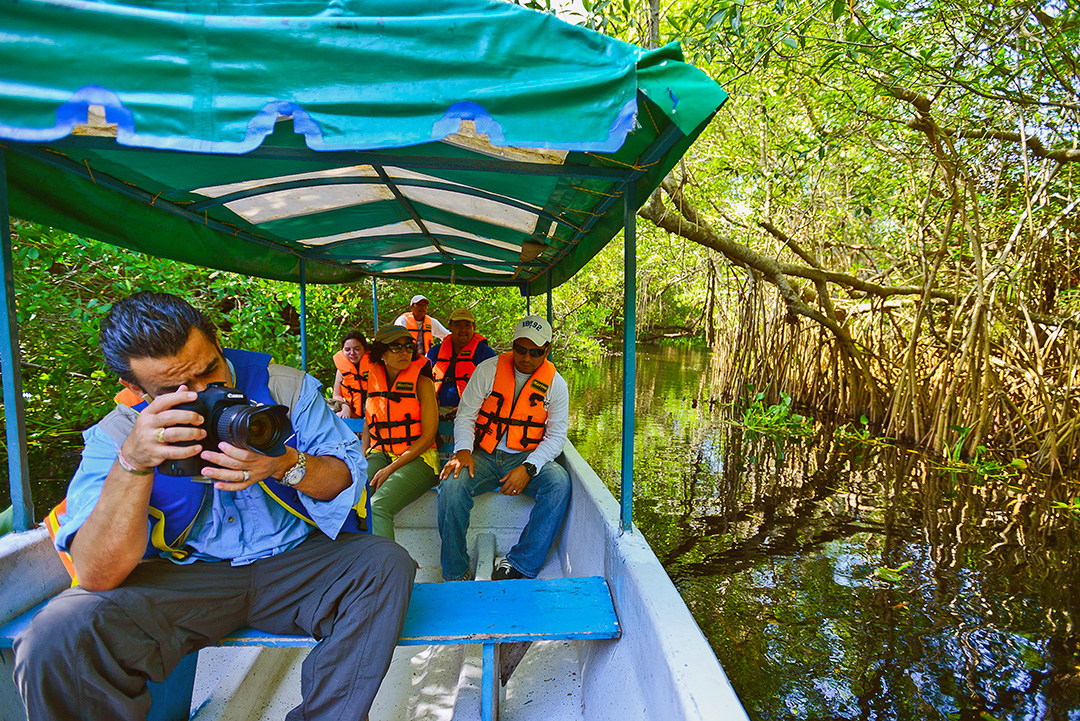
(398, 347)
(534, 352)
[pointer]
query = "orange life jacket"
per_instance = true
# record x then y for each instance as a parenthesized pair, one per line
(463, 364)
(393, 414)
(424, 339)
(353, 380)
(52, 523)
(526, 422)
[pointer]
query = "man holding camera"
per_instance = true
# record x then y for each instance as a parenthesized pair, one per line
(265, 536)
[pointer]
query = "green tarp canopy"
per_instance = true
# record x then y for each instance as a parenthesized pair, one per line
(470, 141)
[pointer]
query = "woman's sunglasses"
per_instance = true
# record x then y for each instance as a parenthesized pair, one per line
(534, 352)
(398, 347)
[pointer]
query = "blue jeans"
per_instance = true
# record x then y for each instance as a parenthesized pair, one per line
(550, 487)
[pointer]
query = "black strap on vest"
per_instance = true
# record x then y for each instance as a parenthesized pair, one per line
(392, 396)
(378, 427)
(486, 420)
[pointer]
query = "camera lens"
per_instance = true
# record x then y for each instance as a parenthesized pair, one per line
(263, 429)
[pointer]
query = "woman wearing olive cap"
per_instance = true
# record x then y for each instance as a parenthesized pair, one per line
(402, 417)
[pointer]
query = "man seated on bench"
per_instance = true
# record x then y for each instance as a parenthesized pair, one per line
(515, 410)
(168, 564)
(455, 358)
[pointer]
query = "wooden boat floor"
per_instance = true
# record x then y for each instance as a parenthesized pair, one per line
(436, 683)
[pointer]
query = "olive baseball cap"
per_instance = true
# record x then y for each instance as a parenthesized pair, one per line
(390, 333)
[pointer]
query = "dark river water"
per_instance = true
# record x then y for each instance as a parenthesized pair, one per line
(837, 579)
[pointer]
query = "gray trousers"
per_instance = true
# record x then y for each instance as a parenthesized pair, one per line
(88, 655)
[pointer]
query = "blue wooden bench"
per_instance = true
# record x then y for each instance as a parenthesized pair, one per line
(484, 612)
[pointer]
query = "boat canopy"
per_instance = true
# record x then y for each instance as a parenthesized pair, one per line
(471, 141)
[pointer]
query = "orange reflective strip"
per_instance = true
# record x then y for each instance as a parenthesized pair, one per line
(52, 524)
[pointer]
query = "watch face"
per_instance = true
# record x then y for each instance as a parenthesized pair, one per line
(295, 474)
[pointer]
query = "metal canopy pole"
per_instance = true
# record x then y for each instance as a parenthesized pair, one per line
(374, 305)
(551, 315)
(10, 369)
(303, 315)
(528, 305)
(626, 493)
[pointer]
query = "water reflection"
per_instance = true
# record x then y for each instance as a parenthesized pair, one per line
(841, 582)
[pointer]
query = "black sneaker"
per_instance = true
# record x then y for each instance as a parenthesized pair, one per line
(505, 572)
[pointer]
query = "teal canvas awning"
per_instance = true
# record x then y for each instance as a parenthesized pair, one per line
(473, 141)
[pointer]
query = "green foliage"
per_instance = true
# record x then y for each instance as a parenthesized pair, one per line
(860, 433)
(983, 464)
(892, 575)
(65, 285)
(1072, 507)
(773, 421)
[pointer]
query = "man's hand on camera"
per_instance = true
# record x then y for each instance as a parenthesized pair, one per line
(241, 468)
(158, 427)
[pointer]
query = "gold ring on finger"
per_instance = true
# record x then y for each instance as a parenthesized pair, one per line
(247, 476)
(159, 435)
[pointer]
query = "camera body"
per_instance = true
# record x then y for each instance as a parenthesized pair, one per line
(229, 416)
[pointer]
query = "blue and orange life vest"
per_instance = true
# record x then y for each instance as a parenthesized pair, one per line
(523, 419)
(175, 501)
(422, 334)
(393, 413)
(456, 368)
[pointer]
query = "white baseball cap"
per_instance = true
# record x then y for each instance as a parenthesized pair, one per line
(535, 328)
(416, 299)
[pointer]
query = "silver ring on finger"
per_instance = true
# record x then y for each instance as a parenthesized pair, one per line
(247, 476)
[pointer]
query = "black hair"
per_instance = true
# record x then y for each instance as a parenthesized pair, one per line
(149, 325)
(355, 335)
(377, 349)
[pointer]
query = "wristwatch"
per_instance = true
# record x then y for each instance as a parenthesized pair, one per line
(295, 474)
(529, 468)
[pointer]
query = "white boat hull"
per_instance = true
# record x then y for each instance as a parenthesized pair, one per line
(661, 668)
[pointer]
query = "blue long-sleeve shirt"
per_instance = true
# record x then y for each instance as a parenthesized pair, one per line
(239, 526)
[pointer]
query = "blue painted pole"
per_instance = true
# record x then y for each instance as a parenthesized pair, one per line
(528, 305)
(629, 353)
(303, 315)
(374, 305)
(22, 505)
(551, 314)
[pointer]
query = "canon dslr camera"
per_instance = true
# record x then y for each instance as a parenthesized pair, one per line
(229, 416)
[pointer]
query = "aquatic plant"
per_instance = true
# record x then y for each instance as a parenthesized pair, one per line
(861, 434)
(773, 420)
(1073, 507)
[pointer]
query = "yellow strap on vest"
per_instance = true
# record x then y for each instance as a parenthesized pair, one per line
(360, 507)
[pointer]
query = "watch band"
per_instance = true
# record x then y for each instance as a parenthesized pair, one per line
(295, 474)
